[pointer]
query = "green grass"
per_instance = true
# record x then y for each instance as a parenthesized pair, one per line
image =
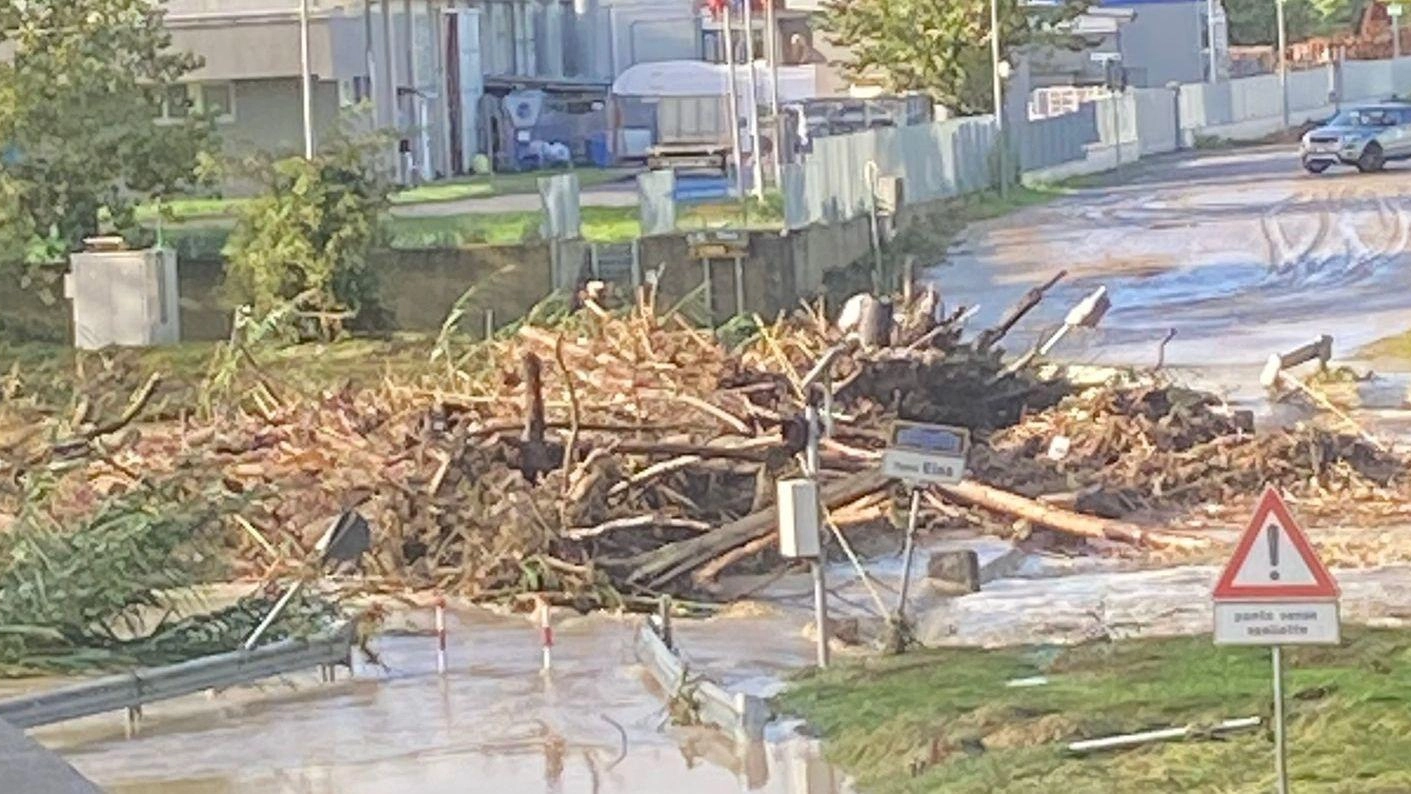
(203, 238)
(949, 713)
(185, 209)
(502, 184)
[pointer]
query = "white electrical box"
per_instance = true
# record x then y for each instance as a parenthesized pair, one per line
(123, 297)
(799, 519)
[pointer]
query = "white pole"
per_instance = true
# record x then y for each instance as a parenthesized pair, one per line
(820, 587)
(998, 90)
(1281, 770)
(1283, 63)
(1396, 34)
(307, 75)
(771, 32)
(752, 110)
(440, 635)
(733, 105)
(546, 636)
(1210, 38)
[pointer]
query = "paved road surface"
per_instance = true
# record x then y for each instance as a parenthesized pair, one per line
(1241, 252)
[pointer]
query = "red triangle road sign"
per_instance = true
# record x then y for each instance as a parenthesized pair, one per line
(1274, 559)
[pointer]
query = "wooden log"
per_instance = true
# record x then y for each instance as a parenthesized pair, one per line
(535, 457)
(663, 564)
(991, 336)
(636, 522)
(1055, 518)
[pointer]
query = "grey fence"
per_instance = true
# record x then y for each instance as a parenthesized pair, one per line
(1046, 142)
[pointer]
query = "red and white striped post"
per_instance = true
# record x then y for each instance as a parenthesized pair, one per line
(440, 635)
(547, 632)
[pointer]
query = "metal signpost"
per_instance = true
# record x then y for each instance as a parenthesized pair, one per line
(918, 454)
(1276, 591)
(1394, 11)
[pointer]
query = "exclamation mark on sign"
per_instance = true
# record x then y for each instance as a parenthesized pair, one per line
(1272, 533)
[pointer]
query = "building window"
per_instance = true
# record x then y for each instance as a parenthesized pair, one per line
(214, 99)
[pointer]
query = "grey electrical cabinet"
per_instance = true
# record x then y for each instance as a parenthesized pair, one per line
(122, 297)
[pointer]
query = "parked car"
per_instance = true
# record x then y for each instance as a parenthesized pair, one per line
(1367, 137)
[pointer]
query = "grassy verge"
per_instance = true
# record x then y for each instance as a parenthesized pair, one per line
(945, 720)
(1392, 348)
(184, 209)
(204, 238)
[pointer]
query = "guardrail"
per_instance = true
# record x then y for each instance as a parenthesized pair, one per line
(134, 689)
(743, 716)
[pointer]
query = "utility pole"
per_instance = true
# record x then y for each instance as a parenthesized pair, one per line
(1394, 11)
(732, 103)
(998, 96)
(752, 111)
(1210, 40)
(771, 31)
(1283, 63)
(307, 76)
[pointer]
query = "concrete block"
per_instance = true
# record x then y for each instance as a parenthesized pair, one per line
(955, 572)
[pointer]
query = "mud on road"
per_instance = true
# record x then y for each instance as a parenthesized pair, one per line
(1242, 252)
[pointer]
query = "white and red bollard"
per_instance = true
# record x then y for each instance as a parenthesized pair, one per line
(440, 635)
(547, 635)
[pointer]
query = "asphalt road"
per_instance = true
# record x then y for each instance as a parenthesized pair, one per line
(1241, 252)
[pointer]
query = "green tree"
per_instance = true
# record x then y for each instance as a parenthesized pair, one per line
(940, 47)
(1255, 22)
(307, 237)
(79, 101)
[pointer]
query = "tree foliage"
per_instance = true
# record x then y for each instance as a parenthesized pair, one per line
(1255, 22)
(78, 104)
(940, 47)
(307, 238)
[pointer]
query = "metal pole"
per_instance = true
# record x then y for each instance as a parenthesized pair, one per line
(998, 94)
(752, 111)
(1283, 63)
(908, 552)
(307, 75)
(1281, 770)
(1396, 36)
(273, 615)
(733, 104)
(771, 32)
(1210, 38)
(820, 589)
(1117, 125)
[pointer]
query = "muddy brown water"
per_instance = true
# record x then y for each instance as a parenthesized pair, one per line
(494, 724)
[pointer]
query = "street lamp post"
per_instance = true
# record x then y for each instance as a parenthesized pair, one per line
(998, 90)
(307, 79)
(1210, 40)
(1394, 11)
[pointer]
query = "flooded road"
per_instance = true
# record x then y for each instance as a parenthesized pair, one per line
(494, 724)
(1241, 252)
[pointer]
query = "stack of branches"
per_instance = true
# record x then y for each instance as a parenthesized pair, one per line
(1146, 443)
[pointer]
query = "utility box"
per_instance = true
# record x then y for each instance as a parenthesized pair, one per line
(799, 519)
(123, 297)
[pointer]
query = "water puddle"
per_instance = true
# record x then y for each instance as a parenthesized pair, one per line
(493, 724)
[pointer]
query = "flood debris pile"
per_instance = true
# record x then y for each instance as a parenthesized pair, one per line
(606, 455)
(1145, 443)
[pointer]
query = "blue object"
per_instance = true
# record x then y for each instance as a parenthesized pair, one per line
(599, 153)
(701, 188)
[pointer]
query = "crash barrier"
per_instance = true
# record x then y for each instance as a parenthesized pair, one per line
(742, 716)
(134, 689)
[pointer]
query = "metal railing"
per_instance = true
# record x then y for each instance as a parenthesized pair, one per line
(743, 716)
(147, 685)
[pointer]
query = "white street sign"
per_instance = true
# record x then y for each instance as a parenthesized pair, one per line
(1394, 10)
(922, 453)
(1282, 623)
(1275, 590)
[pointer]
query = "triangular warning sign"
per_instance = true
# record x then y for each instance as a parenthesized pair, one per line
(1274, 559)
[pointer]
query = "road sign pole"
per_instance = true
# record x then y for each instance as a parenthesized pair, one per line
(1281, 765)
(907, 553)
